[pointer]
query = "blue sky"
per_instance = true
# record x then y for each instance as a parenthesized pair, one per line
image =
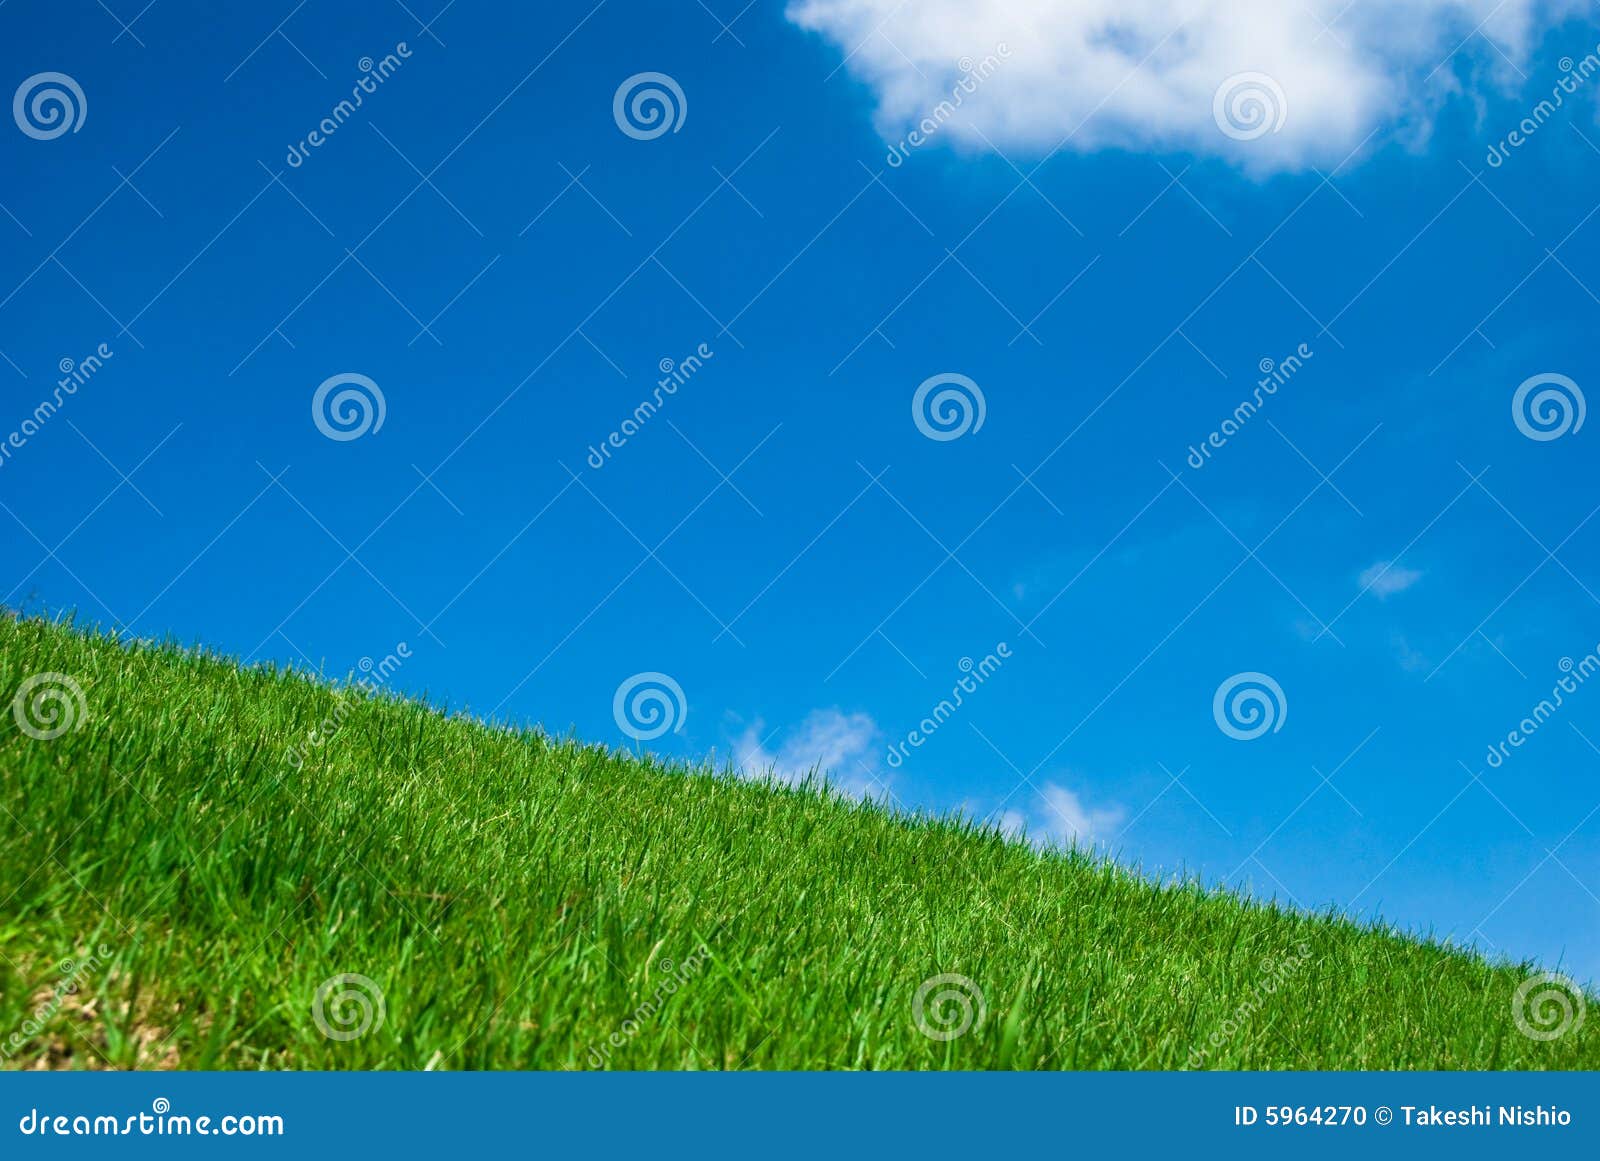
(1082, 240)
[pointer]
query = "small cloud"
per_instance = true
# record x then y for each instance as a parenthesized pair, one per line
(1386, 578)
(1410, 659)
(840, 745)
(1058, 817)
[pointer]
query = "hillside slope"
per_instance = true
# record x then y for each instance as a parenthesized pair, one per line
(188, 881)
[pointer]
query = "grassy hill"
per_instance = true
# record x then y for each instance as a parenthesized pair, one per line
(187, 879)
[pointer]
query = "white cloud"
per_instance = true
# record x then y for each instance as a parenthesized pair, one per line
(840, 745)
(1058, 817)
(1385, 578)
(1143, 74)
(1410, 659)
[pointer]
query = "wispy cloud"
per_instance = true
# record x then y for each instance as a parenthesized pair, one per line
(1057, 816)
(1138, 74)
(1410, 659)
(830, 741)
(1385, 578)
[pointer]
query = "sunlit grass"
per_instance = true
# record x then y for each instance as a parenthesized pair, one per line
(526, 902)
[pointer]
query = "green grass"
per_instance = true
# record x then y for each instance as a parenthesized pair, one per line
(527, 902)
